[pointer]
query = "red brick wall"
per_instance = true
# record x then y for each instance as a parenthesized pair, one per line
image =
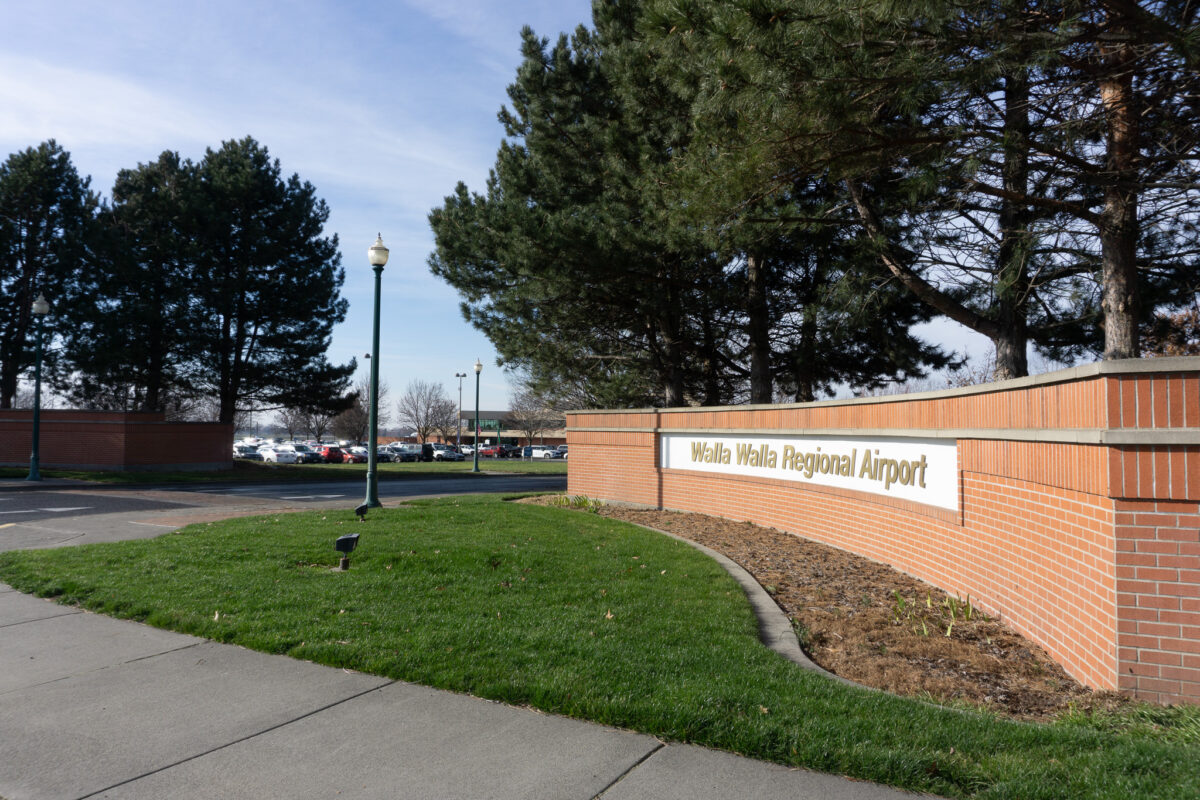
(1079, 517)
(114, 441)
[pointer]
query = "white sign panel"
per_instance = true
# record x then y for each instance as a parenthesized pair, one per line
(920, 470)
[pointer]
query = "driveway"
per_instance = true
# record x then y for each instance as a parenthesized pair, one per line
(57, 513)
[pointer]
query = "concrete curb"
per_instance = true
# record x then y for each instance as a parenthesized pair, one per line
(774, 627)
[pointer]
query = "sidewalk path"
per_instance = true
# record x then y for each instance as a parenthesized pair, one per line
(97, 707)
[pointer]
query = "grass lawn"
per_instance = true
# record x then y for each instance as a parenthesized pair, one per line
(256, 471)
(592, 618)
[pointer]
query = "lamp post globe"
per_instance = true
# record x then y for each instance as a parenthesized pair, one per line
(40, 309)
(377, 256)
(478, 369)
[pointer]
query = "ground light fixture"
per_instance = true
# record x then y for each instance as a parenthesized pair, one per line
(377, 256)
(478, 369)
(345, 545)
(40, 309)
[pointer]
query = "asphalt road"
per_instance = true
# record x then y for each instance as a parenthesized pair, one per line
(54, 514)
(355, 491)
(22, 506)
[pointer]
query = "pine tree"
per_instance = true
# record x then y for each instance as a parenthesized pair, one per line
(1015, 133)
(47, 217)
(266, 287)
(128, 347)
(563, 263)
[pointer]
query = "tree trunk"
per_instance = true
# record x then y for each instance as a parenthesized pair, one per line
(1011, 337)
(712, 362)
(669, 351)
(1119, 226)
(758, 329)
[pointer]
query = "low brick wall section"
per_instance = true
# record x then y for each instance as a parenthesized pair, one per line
(114, 441)
(1067, 504)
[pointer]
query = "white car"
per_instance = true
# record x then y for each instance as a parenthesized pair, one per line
(541, 451)
(447, 455)
(444, 452)
(278, 455)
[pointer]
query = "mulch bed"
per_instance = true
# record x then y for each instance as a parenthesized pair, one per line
(882, 628)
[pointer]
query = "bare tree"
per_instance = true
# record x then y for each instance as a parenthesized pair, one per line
(426, 406)
(531, 414)
(318, 422)
(446, 421)
(353, 423)
(292, 420)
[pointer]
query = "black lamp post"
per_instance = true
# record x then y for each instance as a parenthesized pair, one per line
(40, 309)
(377, 255)
(458, 425)
(478, 369)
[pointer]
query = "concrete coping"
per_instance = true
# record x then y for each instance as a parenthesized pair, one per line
(1116, 367)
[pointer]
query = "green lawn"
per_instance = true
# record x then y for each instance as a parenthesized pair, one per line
(255, 471)
(592, 618)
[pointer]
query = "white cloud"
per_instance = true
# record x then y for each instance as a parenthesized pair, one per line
(88, 108)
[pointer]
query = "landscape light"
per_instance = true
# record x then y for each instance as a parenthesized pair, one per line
(345, 545)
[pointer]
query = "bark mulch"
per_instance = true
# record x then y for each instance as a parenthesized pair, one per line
(879, 627)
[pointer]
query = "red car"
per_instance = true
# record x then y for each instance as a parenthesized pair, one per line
(331, 454)
(349, 457)
(490, 451)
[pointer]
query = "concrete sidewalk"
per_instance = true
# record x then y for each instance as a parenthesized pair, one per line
(97, 707)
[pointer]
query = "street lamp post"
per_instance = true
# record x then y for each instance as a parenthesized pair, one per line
(377, 255)
(478, 369)
(458, 424)
(40, 309)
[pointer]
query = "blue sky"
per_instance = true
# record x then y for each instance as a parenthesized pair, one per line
(382, 106)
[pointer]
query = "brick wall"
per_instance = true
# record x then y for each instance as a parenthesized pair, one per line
(114, 441)
(1079, 504)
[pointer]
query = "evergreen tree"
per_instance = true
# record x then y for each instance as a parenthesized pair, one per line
(564, 263)
(587, 270)
(1013, 132)
(265, 293)
(47, 217)
(826, 315)
(128, 347)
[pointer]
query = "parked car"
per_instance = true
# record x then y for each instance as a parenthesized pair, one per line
(306, 455)
(404, 451)
(247, 451)
(331, 453)
(540, 451)
(277, 455)
(445, 452)
(466, 449)
(490, 450)
(383, 455)
(355, 455)
(510, 451)
(562, 448)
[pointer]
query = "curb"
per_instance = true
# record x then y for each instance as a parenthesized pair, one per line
(774, 627)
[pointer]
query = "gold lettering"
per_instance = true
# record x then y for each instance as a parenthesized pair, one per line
(789, 457)
(868, 468)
